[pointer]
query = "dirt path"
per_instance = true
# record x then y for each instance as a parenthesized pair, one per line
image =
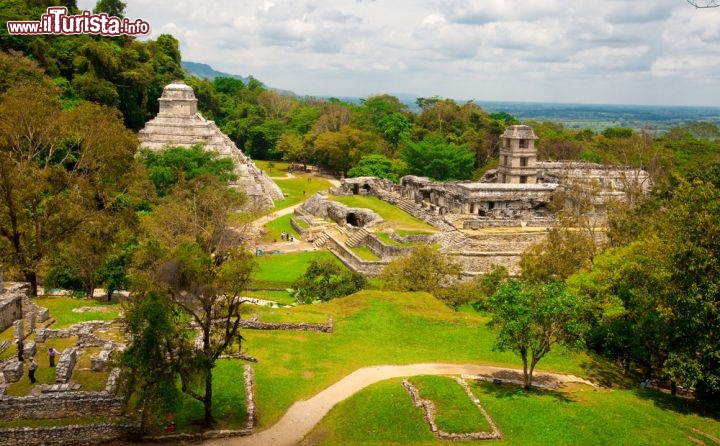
(302, 416)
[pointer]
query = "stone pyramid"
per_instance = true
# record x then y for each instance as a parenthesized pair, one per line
(180, 124)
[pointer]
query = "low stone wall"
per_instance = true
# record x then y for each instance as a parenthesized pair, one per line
(429, 413)
(77, 434)
(484, 262)
(57, 405)
(254, 324)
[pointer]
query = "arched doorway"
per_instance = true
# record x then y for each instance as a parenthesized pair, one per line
(352, 219)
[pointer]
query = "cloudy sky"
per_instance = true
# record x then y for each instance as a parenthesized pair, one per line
(661, 52)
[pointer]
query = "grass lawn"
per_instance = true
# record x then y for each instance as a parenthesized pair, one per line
(275, 228)
(455, 412)
(572, 416)
(279, 271)
(299, 188)
(61, 310)
(371, 327)
(393, 216)
(273, 168)
(365, 253)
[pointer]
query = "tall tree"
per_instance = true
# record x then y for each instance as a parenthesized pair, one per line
(195, 259)
(532, 318)
(57, 169)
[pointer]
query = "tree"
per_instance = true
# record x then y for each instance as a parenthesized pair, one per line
(690, 230)
(113, 8)
(57, 169)
(338, 151)
(434, 157)
(424, 269)
(378, 166)
(394, 127)
(156, 355)
(325, 280)
(170, 165)
(193, 258)
(532, 318)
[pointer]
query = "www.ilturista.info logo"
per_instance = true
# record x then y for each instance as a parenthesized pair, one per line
(56, 21)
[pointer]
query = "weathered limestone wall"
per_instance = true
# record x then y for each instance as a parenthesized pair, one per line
(10, 309)
(384, 251)
(89, 434)
(58, 405)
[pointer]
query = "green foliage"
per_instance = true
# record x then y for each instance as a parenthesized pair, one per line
(378, 166)
(154, 358)
(435, 158)
(325, 280)
(617, 132)
(424, 269)
(168, 166)
(532, 318)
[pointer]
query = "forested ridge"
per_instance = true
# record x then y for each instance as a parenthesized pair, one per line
(78, 209)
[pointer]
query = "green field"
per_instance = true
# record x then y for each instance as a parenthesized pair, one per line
(279, 271)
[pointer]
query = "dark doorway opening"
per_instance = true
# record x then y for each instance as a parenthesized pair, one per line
(352, 219)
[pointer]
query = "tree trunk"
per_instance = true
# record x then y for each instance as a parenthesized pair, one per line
(527, 374)
(31, 277)
(673, 387)
(207, 401)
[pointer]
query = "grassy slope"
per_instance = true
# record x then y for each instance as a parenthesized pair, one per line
(371, 328)
(574, 416)
(279, 271)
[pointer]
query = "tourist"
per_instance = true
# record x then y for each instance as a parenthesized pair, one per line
(31, 371)
(20, 348)
(51, 355)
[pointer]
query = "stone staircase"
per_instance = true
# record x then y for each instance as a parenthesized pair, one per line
(321, 239)
(356, 238)
(451, 240)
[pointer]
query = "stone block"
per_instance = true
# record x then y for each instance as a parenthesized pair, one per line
(43, 314)
(65, 366)
(13, 371)
(98, 363)
(29, 349)
(18, 329)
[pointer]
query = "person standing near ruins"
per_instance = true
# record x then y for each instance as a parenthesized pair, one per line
(20, 347)
(31, 371)
(51, 354)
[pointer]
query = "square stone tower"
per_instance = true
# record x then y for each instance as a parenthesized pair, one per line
(518, 156)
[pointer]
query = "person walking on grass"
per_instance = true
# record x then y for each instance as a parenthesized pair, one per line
(51, 354)
(31, 371)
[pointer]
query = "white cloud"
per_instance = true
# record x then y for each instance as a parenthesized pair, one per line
(581, 51)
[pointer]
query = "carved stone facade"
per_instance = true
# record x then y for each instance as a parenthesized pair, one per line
(180, 124)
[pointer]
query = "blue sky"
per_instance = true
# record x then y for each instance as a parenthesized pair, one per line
(656, 52)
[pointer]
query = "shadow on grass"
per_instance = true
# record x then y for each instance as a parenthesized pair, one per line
(680, 404)
(605, 373)
(514, 392)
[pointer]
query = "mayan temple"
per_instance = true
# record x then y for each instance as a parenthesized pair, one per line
(179, 123)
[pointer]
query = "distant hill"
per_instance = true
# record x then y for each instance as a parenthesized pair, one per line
(206, 71)
(594, 116)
